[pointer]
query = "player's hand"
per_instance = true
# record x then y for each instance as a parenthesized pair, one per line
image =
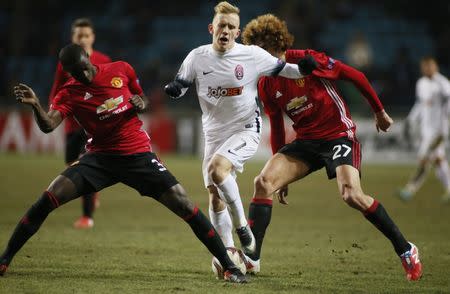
(138, 102)
(25, 95)
(282, 193)
(383, 121)
(173, 89)
(306, 65)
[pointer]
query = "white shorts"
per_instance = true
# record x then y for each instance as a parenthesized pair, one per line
(430, 149)
(238, 148)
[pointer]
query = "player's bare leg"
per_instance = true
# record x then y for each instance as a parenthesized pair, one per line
(443, 174)
(219, 169)
(278, 172)
(421, 172)
(416, 180)
(220, 217)
(60, 191)
(351, 192)
(177, 201)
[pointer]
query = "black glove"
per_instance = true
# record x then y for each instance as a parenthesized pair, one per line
(306, 65)
(173, 89)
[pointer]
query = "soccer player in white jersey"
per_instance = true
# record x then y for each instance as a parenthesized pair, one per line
(226, 74)
(431, 113)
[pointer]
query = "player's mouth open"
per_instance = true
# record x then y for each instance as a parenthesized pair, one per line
(223, 40)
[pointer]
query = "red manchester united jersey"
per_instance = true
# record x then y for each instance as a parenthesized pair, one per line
(61, 77)
(103, 109)
(313, 103)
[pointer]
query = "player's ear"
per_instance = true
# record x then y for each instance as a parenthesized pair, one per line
(238, 33)
(211, 29)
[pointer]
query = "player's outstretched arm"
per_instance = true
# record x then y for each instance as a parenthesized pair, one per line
(47, 122)
(382, 120)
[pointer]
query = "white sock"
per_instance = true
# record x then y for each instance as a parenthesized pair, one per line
(443, 174)
(221, 221)
(229, 192)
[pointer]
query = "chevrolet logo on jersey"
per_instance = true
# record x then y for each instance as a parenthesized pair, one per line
(296, 102)
(110, 104)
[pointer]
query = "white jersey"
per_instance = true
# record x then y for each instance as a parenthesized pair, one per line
(432, 105)
(226, 85)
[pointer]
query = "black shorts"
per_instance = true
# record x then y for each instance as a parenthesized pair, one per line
(329, 154)
(141, 171)
(75, 142)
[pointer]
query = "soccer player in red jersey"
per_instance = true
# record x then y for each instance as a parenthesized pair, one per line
(83, 35)
(105, 99)
(325, 136)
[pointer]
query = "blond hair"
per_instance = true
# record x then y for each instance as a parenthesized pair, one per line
(269, 32)
(225, 8)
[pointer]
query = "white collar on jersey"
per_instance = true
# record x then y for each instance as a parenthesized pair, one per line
(228, 51)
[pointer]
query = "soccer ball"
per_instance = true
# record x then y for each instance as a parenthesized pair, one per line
(236, 256)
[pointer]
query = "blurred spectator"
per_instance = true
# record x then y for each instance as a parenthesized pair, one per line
(359, 52)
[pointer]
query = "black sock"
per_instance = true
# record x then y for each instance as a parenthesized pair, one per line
(29, 225)
(88, 205)
(205, 231)
(378, 216)
(259, 216)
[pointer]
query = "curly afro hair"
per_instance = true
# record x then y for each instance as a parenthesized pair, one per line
(268, 32)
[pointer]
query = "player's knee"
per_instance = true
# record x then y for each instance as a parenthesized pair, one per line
(178, 201)
(185, 206)
(263, 185)
(217, 173)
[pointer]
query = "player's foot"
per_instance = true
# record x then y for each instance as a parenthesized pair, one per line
(247, 239)
(234, 275)
(3, 268)
(405, 194)
(84, 222)
(253, 266)
(411, 263)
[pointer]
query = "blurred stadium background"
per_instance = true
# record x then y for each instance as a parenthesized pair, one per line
(137, 248)
(385, 39)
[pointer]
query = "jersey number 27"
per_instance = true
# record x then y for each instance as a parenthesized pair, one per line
(338, 148)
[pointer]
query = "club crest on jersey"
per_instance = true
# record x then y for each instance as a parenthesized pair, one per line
(239, 72)
(116, 82)
(296, 103)
(300, 82)
(222, 92)
(110, 104)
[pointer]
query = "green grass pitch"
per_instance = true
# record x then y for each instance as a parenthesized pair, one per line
(316, 244)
